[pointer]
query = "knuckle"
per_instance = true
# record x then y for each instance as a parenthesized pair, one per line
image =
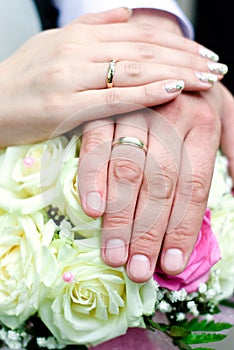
(207, 118)
(146, 51)
(128, 170)
(53, 75)
(196, 189)
(148, 95)
(111, 96)
(94, 143)
(200, 190)
(132, 69)
(117, 221)
(147, 30)
(148, 242)
(180, 236)
(161, 185)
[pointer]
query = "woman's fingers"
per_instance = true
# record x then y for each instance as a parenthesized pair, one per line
(153, 53)
(99, 104)
(131, 73)
(118, 15)
(125, 175)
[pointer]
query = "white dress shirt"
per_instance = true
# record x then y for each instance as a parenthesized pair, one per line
(71, 9)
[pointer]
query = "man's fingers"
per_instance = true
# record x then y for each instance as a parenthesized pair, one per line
(124, 180)
(155, 198)
(93, 164)
(198, 158)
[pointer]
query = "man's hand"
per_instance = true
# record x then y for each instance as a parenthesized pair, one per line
(154, 203)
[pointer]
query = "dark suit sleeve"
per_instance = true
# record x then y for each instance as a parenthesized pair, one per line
(214, 29)
(48, 13)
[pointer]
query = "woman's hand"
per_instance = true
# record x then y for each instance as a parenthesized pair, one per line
(57, 80)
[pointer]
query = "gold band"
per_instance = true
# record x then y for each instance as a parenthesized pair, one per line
(132, 141)
(110, 73)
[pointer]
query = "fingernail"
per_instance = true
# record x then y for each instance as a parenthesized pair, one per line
(173, 260)
(139, 266)
(116, 251)
(174, 86)
(207, 77)
(218, 68)
(211, 55)
(94, 201)
(130, 11)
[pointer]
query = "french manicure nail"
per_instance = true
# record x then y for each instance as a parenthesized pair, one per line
(130, 11)
(218, 68)
(94, 201)
(208, 54)
(116, 251)
(139, 266)
(174, 86)
(207, 78)
(173, 260)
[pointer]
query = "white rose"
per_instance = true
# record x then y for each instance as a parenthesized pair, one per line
(90, 301)
(221, 182)
(21, 269)
(28, 174)
(223, 226)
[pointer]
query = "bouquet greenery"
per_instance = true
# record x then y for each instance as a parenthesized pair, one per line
(56, 292)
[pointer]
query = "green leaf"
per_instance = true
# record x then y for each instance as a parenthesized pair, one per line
(178, 332)
(203, 348)
(150, 324)
(204, 325)
(204, 338)
(228, 303)
(181, 344)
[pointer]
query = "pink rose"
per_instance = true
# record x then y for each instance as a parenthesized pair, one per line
(205, 254)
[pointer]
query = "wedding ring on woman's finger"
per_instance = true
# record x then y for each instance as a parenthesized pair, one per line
(132, 141)
(110, 74)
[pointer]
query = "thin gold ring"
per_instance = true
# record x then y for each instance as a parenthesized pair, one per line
(132, 141)
(110, 74)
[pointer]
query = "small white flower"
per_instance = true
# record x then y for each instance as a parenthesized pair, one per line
(49, 343)
(180, 316)
(160, 295)
(65, 228)
(191, 304)
(164, 306)
(179, 295)
(210, 294)
(202, 288)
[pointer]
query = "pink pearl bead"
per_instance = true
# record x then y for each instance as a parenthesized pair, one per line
(28, 161)
(68, 277)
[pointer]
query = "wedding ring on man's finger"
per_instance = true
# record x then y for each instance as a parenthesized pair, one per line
(132, 141)
(110, 74)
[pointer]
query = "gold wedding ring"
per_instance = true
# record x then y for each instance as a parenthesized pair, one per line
(132, 141)
(110, 73)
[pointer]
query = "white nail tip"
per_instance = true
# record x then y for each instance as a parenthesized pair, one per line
(175, 86)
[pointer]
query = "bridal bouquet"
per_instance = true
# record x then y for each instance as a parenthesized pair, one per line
(55, 291)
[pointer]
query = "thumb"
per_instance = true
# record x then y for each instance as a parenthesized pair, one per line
(121, 14)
